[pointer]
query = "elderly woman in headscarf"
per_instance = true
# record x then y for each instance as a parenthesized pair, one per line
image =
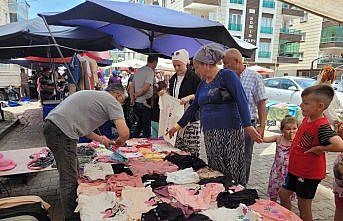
(327, 76)
(183, 85)
(224, 113)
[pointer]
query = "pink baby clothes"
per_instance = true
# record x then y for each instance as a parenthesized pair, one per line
(272, 211)
(142, 167)
(87, 189)
(117, 182)
(200, 201)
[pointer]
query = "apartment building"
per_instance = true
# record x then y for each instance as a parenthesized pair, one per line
(11, 11)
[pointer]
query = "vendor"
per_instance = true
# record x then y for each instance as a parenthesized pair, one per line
(79, 115)
(46, 86)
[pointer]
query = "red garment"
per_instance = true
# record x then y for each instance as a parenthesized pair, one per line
(307, 165)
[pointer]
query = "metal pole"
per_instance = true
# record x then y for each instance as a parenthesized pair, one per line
(60, 53)
(151, 39)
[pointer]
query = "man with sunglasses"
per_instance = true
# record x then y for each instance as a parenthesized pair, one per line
(78, 116)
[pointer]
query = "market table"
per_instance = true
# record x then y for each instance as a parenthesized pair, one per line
(21, 157)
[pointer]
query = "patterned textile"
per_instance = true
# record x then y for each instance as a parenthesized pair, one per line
(189, 139)
(278, 171)
(225, 152)
(253, 86)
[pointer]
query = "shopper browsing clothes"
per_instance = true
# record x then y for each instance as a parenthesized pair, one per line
(253, 86)
(77, 116)
(224, 112)
(183, 85)
(307, 164)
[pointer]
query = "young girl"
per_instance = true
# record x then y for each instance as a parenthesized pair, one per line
(289, 127)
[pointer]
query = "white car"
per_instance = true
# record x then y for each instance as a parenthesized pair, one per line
(288, 89)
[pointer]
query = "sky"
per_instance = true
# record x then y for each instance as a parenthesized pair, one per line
(37, 6)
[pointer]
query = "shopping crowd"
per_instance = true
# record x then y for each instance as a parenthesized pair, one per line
(227, 105)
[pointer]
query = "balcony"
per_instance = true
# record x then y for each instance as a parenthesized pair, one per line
(288, 59)
(268, 4)
(332, 36)
(241, 2)
(264, 54)
(334, 62)
(235, 27)
(203, 4)
(266, 30)
(290, 35)
(292, 11)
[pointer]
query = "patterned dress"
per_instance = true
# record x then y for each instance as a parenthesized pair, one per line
(279, 168)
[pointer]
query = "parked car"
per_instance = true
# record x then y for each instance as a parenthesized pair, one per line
(287, 89)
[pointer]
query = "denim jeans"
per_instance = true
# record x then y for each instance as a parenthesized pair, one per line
(144, 120)
(64, 151)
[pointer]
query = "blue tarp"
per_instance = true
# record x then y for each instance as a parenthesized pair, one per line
(148, 28)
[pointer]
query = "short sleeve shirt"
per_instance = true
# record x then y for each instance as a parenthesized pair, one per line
(144, 75)
(84, 111)
(254, 89)
(310, 134)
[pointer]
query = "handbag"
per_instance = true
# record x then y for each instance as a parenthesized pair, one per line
(225, 95)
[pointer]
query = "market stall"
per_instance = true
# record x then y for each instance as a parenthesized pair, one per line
(149, 180)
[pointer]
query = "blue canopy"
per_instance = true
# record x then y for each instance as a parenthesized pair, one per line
(148, 28)
(31, 38)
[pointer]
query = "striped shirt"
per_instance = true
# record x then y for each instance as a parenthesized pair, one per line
(253, 85)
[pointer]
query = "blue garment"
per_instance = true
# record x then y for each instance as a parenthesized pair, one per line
(215, 114)
(76, 65)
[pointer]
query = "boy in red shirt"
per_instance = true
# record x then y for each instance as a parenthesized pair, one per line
(307, 165)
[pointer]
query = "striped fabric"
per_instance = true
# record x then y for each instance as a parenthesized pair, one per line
(189, 139)
(225, 152)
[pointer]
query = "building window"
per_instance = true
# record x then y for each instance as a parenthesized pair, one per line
(264, 50)
(304, 18)
(237, 2)
(303, 35)
(268, 4)
(267, 25)
(235, 22)
(301, 56)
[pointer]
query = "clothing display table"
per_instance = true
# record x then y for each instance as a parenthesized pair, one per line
(21, 159)
(148, 180)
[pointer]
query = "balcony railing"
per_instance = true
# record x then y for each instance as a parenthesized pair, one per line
(235, 27)
(290, 54)
(290, 31)
(268, 4)
(331, 39)
(264, 54)
(266, 30)
(237, 1)
(330, 61)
